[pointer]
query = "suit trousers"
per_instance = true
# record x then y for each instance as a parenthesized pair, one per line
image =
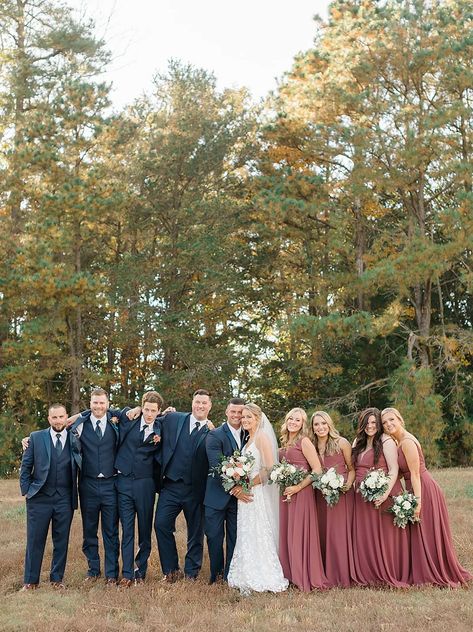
(98, 499)
(220, 524)
(177, 496)
(136, 497)
(41, 511)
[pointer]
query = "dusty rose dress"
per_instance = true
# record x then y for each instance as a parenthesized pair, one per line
(434, 560)
(381, 550)
(299, 543)
(335, 528)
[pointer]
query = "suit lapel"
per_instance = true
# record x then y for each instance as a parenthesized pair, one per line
(47, 443)
(230, 436)
(180, 424)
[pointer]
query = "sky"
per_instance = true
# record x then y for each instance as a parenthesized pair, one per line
(247, 43)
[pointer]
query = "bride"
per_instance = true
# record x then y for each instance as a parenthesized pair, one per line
(255, 563)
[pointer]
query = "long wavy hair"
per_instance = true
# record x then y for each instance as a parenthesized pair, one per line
(303, 432)
(333, 441)
(361, 439)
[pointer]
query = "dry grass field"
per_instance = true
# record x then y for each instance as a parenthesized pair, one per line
(199, 607)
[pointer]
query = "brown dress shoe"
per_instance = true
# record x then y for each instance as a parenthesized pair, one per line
(125, 583)
(57, 586)
(28, 587)
(173, 577)
(110, 581)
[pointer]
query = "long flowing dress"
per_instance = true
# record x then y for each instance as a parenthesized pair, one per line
(335, 527)
(255, 563)
(381, 550)
(299, 543)
(434, 560)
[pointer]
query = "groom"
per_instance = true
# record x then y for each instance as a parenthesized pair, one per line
(221, 506)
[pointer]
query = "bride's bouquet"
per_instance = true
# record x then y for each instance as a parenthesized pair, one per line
(374, 485)
(403, 508)
(285, 474)
(234, 470)
(330, 484)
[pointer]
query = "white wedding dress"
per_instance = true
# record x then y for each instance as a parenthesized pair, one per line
(255, 563)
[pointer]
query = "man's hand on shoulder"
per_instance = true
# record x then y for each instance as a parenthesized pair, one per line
(25, 443)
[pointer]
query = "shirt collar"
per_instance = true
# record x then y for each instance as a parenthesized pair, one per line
(194, 421)
(143, 424)
(94, 419)
(53, 433)
(236, 433)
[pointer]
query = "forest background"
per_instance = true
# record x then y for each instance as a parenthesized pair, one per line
(312, 250)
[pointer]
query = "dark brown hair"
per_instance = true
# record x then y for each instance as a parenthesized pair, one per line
(201, 391)
(361, 439)
(236, 401)
(152, 397)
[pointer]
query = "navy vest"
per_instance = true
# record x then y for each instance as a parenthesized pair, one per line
(60, 472)
(135, 457)
(98, 455)
(180, 465)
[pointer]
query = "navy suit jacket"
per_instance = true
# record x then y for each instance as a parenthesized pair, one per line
(80, 420)
(220, 442)
(36, 462)
(171, 427)
(124, 428)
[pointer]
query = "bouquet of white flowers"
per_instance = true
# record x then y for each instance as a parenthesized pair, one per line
(374, 485)
(403, 508)
(285, 474)
(330, 484)
(234, 470)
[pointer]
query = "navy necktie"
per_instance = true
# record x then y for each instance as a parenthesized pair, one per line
(195, 429)
(98, 431)
(58, 443)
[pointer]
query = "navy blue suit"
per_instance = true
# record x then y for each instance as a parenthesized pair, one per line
(97, 492)
(49, 482)
(184, 470)
(136, 493)
(220, 506)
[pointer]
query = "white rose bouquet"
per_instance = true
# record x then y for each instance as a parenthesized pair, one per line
(403, 508)
(330, 484)
(234, 470)
(286, 474)
(374, 485)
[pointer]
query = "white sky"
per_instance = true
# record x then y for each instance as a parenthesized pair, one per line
(243, 42)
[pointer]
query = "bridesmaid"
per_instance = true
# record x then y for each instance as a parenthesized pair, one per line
(335, 523)
(299, 544)
(381, 550)
(433, 557)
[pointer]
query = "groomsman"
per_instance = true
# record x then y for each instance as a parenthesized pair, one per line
(48, 479)
(138, 442)
(184, 470)
(221, 506)
(98, 438)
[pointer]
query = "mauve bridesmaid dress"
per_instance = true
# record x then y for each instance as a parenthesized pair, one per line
(433, 556)
(299, 543)
(381, 550)
(335, 528)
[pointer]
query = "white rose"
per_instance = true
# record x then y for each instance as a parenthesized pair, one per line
(324, 479)
(230, 471)
(240, 471)
(407, 505)
(292, 469)
(274, 475)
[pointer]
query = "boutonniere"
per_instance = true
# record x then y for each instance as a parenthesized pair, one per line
(154, 439)
(114, 420)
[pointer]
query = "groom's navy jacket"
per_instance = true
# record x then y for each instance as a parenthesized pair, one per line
(219, 442)
(36, 467)
(182, 457)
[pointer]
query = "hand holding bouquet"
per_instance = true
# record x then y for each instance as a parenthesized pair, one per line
(374, 485)
(285, 475)
(234, 470)
(330, 484)
(403, 508)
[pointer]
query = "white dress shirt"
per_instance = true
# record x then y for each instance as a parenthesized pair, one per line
(236, 435)
(193, 421)
(149, 428)
(63, 437)
(102, 423)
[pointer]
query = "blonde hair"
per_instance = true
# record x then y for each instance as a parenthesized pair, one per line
(333, 441)
(303, 432)
(255, 410)
(395, 412)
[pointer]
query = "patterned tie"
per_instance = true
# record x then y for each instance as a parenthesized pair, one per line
(195, 429)
(58, 444)
(98, 432)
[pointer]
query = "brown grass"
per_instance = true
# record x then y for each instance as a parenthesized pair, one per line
(198, 607)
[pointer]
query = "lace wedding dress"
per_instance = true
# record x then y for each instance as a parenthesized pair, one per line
(255, 564)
